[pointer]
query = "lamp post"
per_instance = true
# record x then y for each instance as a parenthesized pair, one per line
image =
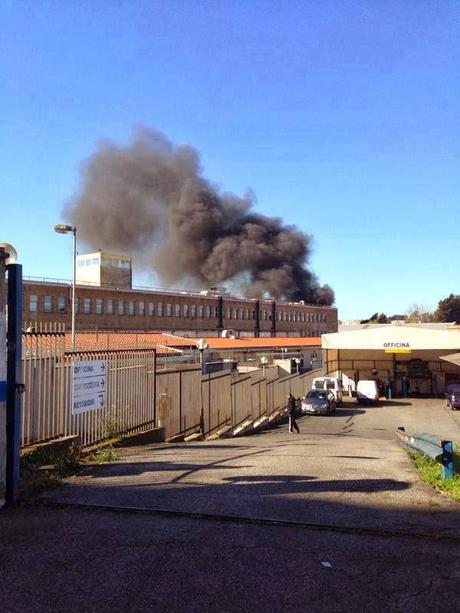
(201, 345)
(264, 362)
(297, 363)
(65, 229)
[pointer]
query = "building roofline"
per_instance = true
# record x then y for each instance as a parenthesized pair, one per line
(164, 291)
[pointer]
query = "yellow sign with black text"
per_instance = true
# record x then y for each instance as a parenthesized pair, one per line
(397, 347)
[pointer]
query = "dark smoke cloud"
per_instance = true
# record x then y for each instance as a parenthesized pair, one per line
(150, 200)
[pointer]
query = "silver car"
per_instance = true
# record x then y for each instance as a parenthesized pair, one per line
(319, 402)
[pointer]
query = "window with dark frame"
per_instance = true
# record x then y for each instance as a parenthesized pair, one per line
(61, 304)
(48, 304)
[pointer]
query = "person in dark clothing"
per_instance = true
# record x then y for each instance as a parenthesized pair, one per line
(291, 408)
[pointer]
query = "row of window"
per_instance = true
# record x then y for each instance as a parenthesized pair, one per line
(122, 307)
(112, 262)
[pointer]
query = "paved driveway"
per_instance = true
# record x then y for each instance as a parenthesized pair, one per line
(342, 470)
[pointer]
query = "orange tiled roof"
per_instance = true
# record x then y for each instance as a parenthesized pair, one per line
(265, 343)
(166, 344)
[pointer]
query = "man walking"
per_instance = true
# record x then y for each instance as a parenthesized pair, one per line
(291, 407)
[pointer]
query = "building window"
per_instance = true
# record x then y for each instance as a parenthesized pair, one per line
(141, 308)
(216, 312)
(33, 303)
(61, 304)
(87, 305)
(131, 310)
(109, 305)
(98, 306)
(201, 311)
(121, 307)
(161, 311)
(236, 312)
(177, 310)
(169, 310)
(229, 313)
(193, 311)
(77, 305)
(208, 311)
(242, 314)
(185, 310)
(151, 309)
(48, 304)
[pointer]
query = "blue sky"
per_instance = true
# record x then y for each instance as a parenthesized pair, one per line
(342, 117)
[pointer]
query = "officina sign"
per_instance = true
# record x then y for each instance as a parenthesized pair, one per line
(397, 347)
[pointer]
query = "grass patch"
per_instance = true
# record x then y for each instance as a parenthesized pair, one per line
(430, 472)
(105, 454)
(36, 477)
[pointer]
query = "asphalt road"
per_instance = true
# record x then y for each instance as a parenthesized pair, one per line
(353, 528)
(346, 469)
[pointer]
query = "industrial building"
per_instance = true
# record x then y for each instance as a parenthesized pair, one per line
(417, 359)
(106, 300)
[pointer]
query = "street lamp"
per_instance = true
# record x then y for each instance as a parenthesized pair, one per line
(61, 228)
(264, 362)
(201, 345)
(297, 362)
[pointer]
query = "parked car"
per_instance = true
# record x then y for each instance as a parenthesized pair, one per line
(367, 391)
(329, 383)
(453, 396)
(319, 402)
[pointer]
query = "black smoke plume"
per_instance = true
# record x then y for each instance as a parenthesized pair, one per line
(150, 200)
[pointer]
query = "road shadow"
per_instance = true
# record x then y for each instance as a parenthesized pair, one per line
(377, 503)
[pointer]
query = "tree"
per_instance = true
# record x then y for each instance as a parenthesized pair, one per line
(448, 309)
(376, 318)
(418, 313)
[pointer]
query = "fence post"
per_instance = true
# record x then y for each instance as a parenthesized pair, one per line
(15, 385)
(447, 460)
(3, 371)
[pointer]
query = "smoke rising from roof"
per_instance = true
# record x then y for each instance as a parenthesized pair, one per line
(150, 199)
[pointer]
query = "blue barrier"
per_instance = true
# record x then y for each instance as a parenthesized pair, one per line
(432, 446)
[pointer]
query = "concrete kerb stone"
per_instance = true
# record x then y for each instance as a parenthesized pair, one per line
(225, 432)
(247, 424)
(154, 435)
(196, 436)
(51, 452)
(177, 438)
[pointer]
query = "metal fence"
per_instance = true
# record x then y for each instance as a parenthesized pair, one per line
(431, 445)
(139, 397)
(47, 408)
(188, 401)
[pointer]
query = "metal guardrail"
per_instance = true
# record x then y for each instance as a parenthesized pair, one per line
(431, 445)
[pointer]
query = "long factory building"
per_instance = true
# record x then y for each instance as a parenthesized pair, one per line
(106, 300)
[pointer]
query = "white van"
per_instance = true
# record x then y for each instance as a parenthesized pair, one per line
(329, 383)
(367, 391)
